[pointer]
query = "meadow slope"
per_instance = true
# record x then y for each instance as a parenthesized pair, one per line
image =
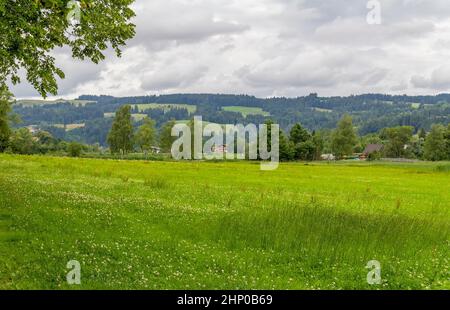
(206, 225)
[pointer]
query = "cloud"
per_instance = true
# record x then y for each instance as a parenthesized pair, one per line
(172, 77)
(439, 79)
(356, 31)
(272, 48)
(180, 21)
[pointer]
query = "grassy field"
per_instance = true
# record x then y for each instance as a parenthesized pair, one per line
(227, 225)
(245, 111)
(323, 110)
(30, 102)
(70, 127)
(166, 107)
(136, 116)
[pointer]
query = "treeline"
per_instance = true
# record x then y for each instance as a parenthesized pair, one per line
(345, 143)
(370, 113)
(407, 126)
(301, 144)
(124, 138)
(22, 141)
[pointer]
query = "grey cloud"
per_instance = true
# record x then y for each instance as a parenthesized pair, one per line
(439, 79)
(172, 78)
(358, 32)
(273, 47)
(180, 21)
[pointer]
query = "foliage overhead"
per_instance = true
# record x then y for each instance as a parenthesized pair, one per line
(31, 29)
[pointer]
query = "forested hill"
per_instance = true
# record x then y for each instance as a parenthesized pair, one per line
(88, 119)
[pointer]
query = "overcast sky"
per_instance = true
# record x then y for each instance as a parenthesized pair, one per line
(272, 48)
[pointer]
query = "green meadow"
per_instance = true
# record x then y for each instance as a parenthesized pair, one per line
(222, 225)
(30, 102)
(245, 111)
(165, 106)
(136, 116)
(70, 127)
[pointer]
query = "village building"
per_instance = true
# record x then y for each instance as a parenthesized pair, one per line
(156, 150)
(220, 149)
(328, 157)
(370, 149)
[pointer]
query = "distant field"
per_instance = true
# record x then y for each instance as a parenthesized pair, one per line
(70, 127)
(205, 123)
(200, 225)
(245, 111)
(137, 116)
(323, 110)
(166, 106)
(49, 102)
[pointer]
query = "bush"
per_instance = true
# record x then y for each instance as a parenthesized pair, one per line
(74, 149)
(374, 156)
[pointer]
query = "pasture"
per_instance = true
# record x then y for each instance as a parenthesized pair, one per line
(245, 111)
(32, 102)
(165, 106)
(222, 225)
(136, 116)
(70, 127)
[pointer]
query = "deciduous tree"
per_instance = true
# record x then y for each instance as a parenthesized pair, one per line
(435, 144)
(344, 138)
(398, 140)
(31, 29)
(299, 134)
(22, 142)
(120, 138)
(5, 108)
(165, 138)
(145, 135)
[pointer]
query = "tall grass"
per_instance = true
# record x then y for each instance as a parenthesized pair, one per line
(169, 225)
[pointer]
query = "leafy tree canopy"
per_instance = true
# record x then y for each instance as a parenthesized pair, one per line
(299, 134)
(5, 108)
(121, 136)
(344, 138)
(31, 29)
(398, 139)
(435, 147)
(145, 135)
(166, 140)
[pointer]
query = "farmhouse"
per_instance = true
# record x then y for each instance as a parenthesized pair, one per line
(328, 157)
(370, 149)
(156, 150)
(220, 149)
